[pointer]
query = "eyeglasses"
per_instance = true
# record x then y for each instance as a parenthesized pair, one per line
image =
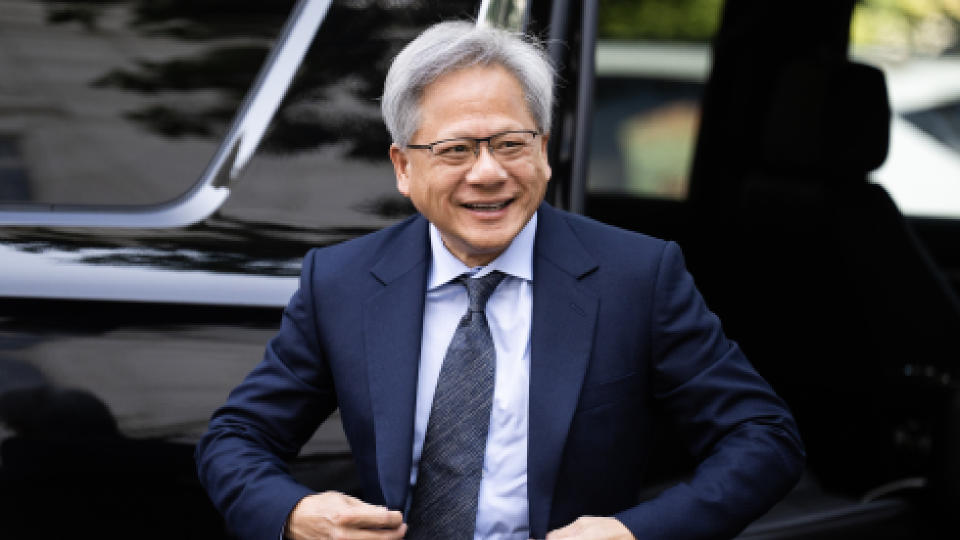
(504, 146)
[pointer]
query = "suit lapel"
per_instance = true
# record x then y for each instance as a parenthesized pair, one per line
(562, 328)
(393, 323)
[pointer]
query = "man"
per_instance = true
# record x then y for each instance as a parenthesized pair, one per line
(526, 417)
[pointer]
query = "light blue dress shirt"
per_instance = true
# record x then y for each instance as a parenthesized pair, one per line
(502, 512)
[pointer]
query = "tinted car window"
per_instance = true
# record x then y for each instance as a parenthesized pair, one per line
(324, 162)
(941, 122)
(125, 103)
(918, 49)
(651, 61)
(121, 103)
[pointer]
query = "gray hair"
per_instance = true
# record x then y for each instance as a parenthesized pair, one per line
(449, 46)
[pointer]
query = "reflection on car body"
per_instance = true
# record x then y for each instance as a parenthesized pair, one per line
(140, 279)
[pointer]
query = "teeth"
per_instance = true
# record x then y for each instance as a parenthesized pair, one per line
(495, 206)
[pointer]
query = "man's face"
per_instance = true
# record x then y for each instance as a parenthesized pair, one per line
(481, 205)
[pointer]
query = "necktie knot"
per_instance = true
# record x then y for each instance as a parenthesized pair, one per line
(480, 289)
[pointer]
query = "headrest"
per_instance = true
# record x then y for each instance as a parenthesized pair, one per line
(830, 119)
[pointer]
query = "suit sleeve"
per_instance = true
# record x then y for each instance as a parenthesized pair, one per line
(242, 459)
(748, 444)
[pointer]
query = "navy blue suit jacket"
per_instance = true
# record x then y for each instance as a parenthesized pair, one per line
(618, 331)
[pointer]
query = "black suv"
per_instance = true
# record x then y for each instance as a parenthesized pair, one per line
(165, 165)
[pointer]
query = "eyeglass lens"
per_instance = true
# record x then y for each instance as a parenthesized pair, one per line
(503, 145)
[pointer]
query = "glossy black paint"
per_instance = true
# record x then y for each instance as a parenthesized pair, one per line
(102, 397)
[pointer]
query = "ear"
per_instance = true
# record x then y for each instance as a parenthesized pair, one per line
(544, 139)
(401, 168)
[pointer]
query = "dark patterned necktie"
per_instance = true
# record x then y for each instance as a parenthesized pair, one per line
(444, 505)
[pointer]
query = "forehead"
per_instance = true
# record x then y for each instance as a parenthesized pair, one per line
(486, 98)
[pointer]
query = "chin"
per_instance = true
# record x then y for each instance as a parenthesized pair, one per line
(487, 246)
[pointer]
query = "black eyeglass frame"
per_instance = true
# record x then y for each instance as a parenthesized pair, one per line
(476, 152)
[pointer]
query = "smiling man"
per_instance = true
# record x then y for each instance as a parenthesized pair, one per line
(498, 364)
(478, 200)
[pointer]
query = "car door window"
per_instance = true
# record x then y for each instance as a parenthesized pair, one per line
(125, 104)
(324, 162)
(121, 102)
(652, 60)
(916, 45)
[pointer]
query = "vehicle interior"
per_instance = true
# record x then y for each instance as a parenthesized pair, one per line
(140, 280)
(847, 306)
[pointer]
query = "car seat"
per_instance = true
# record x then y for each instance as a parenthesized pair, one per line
(834, 298)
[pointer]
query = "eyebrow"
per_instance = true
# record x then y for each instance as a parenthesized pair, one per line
(462, 135)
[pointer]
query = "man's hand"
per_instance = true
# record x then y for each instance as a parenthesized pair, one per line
(592, 528)
(330, 515)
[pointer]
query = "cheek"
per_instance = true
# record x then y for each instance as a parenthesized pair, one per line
(438, 188)
(536, 178)
(430, 195)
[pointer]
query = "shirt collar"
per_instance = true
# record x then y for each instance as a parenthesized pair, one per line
(516, 260)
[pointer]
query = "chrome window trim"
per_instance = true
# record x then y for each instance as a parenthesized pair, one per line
(507, 14)
(584, 111)
(233, 154)
(62, 275)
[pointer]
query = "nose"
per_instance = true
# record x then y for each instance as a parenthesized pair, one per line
(485, 168)
(481, 144)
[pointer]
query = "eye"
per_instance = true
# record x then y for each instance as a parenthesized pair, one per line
(509, 145)
(453, 149)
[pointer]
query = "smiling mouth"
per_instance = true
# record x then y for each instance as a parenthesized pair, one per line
(488, 206)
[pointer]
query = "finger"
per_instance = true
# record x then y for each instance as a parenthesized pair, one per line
(370, 517)
(354, 502)
(373, 534)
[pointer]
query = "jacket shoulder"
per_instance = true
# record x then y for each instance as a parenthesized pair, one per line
(362, 253)
(608, 242)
